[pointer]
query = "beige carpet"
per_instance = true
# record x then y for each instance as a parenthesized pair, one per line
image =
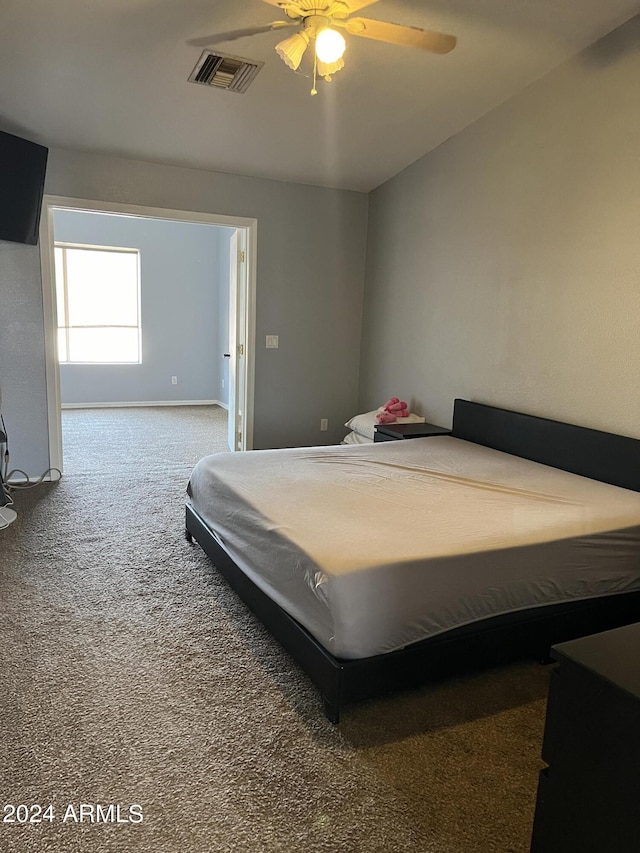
(131, 674)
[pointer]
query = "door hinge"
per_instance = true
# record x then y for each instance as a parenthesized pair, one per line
(241, 256)
(240, 349)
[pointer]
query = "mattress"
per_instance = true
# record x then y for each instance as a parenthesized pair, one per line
(375, 547)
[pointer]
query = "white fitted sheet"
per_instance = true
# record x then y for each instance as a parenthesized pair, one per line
(373, 547)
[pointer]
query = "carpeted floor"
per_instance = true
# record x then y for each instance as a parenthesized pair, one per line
(131, 674)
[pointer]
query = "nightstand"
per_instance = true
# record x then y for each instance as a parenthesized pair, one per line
(398, 431)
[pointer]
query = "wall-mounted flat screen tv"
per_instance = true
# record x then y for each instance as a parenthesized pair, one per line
(22, 170)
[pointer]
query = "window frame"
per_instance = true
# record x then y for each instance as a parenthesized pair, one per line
(66, 327)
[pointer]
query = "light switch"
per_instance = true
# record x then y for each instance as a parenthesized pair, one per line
(272, 342)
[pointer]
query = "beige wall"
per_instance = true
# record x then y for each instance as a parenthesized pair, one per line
(505, 266)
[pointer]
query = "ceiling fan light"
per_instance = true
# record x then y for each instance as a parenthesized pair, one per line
(326, 69)
(291, 50)
(330, 45)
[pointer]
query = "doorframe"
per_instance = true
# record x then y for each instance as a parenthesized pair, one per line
(52, 368)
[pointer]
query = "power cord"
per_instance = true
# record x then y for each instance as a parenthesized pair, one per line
(29, 484)
(8, 515)
(5, 497)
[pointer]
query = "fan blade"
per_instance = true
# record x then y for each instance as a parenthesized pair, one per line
(397, 34)
(330, 8)
(341, 9)
(356, 5)
(232, 35)
(290, 8)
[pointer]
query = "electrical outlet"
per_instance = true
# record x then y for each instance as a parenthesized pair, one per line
(324, 424)
(272, 342)
(174, 380)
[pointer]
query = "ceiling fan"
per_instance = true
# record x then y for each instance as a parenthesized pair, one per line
(320, 21)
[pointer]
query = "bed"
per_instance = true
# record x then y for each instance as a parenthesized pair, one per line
(382, 567)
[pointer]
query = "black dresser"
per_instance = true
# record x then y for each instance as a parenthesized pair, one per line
(589, 795)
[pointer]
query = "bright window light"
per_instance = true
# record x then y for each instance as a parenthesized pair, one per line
(98, 304)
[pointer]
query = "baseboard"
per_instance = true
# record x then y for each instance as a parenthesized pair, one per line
(138, 404)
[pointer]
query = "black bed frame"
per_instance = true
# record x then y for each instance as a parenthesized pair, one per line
(598, 455)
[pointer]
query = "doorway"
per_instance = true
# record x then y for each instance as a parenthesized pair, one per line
(242, 287)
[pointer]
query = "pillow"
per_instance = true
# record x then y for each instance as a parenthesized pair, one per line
(354, 438)
(364, 424)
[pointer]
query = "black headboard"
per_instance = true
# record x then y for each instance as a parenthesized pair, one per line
(603, 456)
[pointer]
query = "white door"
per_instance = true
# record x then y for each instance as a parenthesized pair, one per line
(237, 340)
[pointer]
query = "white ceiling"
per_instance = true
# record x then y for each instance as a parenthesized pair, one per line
(110, 76)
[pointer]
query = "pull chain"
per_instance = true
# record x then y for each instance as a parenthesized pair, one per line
(314, 91)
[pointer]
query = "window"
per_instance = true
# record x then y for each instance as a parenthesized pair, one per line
(98, 301)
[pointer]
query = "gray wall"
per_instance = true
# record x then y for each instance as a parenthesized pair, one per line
(181, 295)
(505, 265)
(310, 278)
(22, 378)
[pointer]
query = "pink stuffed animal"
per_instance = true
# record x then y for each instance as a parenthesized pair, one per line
(392, 409)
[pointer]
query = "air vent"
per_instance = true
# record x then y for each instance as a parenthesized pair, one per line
(226, 72)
